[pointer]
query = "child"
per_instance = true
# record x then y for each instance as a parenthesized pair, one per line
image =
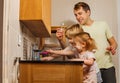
(72, 30)
(85, 46)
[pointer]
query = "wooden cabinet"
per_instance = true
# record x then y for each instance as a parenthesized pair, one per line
(51, 72)
(36, 16)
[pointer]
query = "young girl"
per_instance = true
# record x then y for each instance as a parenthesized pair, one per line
(85, 46)
(72, 30)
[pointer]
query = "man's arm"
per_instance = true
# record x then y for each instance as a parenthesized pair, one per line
(113, 45)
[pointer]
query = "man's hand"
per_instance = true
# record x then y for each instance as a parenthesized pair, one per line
(111, 49)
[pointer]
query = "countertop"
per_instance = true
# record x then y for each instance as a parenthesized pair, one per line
(56, 62)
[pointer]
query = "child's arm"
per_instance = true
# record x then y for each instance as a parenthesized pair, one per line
(60, 36)
(60, 52)
(47, 58)
(88, 62)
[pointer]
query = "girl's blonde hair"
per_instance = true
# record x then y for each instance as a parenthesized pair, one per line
(90, 43)
(73, 30)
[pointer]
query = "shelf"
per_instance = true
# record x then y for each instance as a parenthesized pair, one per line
(54, 28)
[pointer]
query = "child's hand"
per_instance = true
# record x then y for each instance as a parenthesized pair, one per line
(47, 58)
(60, 33)
(50, 51)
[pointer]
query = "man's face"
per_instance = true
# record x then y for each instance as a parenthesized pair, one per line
(82, 16)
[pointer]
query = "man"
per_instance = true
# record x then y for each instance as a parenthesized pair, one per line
(100, 32)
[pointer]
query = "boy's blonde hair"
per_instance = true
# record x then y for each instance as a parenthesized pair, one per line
(73, 30)
(90, 43)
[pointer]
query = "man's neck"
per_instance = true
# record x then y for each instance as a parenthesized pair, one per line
(89, 22)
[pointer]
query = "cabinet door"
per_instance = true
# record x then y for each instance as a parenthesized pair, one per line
(50, 73)
(36, 15)
(25, 73)
(30, 9)
(46, 13)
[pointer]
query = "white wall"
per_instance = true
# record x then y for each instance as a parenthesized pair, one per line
(103, 10)
(13, 40)
(11, 33)
(118, 8)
